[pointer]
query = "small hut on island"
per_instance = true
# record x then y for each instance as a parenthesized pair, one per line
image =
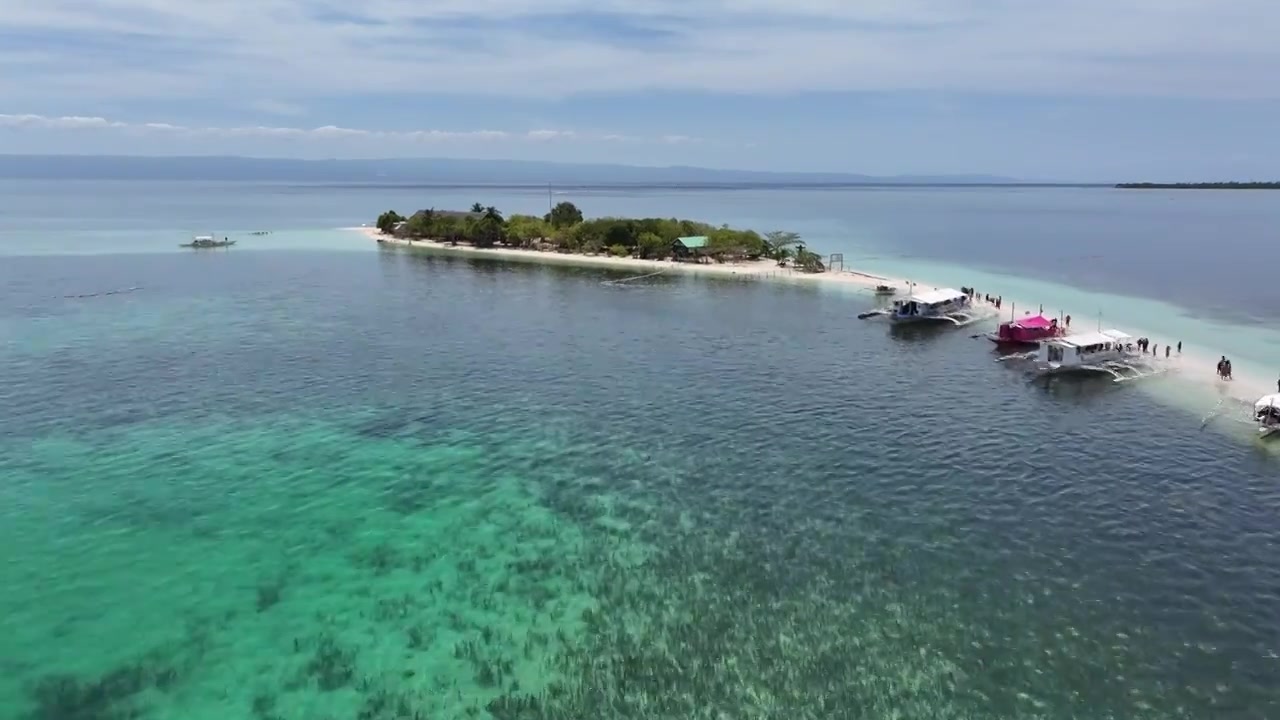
(693, 247)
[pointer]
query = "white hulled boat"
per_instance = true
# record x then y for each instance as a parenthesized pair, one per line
(1106, 352)
(1266, 412)
(945, 305)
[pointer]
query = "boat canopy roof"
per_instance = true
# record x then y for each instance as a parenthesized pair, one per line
(1035, 321)
(931, 297)
(1118, 335)
(1267, 401)
(1087, 339)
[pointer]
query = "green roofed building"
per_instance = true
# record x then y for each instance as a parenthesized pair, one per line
(693, 242)
(694, 246)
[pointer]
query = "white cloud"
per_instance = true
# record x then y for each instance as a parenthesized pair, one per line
(555, 135)
(326, 133)
(294, 49)
(68, 122)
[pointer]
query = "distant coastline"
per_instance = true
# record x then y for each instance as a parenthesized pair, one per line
(1270, 185)
(408, 172)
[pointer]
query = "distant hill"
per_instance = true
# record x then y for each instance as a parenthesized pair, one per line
(425, 171)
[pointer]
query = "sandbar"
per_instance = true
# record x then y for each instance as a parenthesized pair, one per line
(1195, 367)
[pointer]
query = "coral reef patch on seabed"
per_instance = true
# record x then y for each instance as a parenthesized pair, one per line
(319, 573)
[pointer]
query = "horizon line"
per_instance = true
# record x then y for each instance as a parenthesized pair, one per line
(852, 175)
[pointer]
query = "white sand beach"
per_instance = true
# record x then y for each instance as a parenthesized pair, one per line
(1196, 368)
(760, 269)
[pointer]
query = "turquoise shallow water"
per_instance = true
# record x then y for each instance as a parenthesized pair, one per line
(360, 484)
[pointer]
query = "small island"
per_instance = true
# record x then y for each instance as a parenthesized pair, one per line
(564, 230)
(1252, 185)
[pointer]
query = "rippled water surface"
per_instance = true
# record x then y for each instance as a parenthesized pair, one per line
(298, 485)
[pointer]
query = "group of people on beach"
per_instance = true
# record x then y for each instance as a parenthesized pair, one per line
(990, 299)
(1144, 344)
(1224, 368)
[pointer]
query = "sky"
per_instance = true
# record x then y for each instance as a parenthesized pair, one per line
(1070, 90)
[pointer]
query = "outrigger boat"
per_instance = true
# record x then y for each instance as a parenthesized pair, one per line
(1027, 332)
(1266, 412)
(1106, 352)
(933, 306)
(885, 290)
(208, 241)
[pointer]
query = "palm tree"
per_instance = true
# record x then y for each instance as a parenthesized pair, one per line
(777, 244)
(477, 208)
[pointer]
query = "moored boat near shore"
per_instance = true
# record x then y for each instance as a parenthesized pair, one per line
(208, 241)
(944, 305)
(1106, 352)
(1026, 332)
(941, 306)
(1266, 412)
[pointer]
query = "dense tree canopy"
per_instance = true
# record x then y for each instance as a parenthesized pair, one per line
(778, 244)
(563, 215)
(565, 229)
(808, 261)
(387, 220)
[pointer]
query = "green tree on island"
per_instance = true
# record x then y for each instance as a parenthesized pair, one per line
(565, 230)
(563, 215)
(388, 220)
(651, 246)
(807, 261)
(489, 229)
(448, 228)
(526, 230)
(778, 244)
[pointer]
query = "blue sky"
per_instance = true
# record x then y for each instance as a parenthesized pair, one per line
(1056, 90)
